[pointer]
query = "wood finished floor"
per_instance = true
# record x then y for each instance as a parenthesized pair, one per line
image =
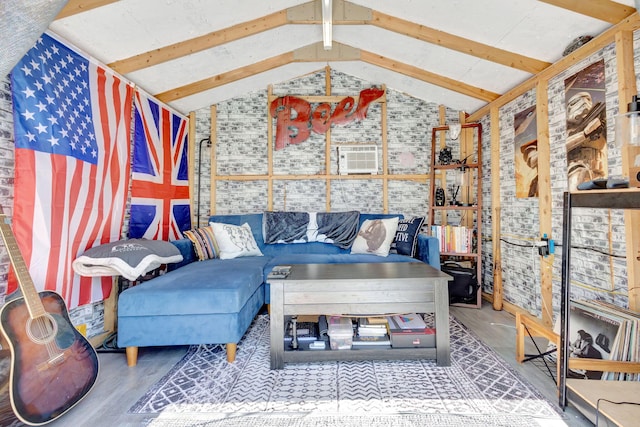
(119, 386)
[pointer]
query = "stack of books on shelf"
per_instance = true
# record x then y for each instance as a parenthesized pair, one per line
(600, 330)
(372, 332)
(453, 238)
(410, 330)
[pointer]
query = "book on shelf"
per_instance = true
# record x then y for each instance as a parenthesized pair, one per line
(453, 238)
(371, 341)
(407, 322)
(279, 272)
(366, 332)
(367, 328)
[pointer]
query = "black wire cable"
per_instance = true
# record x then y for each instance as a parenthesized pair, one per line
(612, 402)
(559, 245)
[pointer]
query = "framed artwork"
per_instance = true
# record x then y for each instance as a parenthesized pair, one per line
(586, 143)
(526, 152)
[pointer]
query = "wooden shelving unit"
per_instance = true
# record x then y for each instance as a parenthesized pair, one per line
(470, 205)
(581, 392)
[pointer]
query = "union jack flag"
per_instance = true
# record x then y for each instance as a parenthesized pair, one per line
(160, 205)
(72, 119)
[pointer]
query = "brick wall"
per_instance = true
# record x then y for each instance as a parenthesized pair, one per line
(242, 150)
(6, 171)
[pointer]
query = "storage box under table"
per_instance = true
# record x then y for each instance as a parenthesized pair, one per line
(340, 333)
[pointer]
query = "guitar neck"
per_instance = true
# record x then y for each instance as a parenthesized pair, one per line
(29, 292)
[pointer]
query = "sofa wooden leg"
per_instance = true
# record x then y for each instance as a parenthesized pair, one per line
(231, 352)
(269, 309)
(132, 356)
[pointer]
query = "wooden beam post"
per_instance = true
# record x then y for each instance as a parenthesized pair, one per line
(544, 199)
(626, 89)
(495, 206)
(270, 146)
(327, 151)
(192, 159)
(213, 136)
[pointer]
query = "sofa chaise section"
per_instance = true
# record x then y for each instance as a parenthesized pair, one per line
(205, 302)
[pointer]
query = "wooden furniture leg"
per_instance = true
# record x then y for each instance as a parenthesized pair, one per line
(132, 356)
(231, 352)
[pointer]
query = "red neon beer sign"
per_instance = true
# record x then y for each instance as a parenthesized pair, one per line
(295, 118)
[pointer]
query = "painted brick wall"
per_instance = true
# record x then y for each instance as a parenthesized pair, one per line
(595, 275)
(6, 171)
(242, 150)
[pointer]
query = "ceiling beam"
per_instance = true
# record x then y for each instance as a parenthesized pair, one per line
(74, 7)
(345, 13)
(339, 53)
(604, 10)
(428, 77)
(226, 78)
(460, 44)
(198, 44)
(631, 23)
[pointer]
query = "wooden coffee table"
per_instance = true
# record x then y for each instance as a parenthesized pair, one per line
(360, 289)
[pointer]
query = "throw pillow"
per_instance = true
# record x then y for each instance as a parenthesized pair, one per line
(375, 237)
(204, 243)
(235, 241)
(406, 238)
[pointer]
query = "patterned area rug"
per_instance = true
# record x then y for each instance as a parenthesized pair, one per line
(479, 388)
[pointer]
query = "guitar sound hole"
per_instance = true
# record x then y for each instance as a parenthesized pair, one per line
(42, 330)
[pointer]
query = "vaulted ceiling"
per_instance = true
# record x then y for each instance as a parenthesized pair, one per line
(459, 53)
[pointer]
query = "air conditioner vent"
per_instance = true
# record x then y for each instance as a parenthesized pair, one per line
(357, 159)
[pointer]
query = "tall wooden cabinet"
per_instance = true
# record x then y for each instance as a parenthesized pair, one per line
(456, 173)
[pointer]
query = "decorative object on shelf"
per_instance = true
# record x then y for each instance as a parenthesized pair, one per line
(440, 196)
(445, 157)
(454, 130)
(577, 43)
(454, 189)
(628, 137)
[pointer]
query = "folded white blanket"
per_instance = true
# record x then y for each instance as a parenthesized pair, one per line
(130, 258)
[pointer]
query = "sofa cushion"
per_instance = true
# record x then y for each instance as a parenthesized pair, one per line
(235, 241)
(254, 221)
(406, 238)
(204, 243)
(210, 286)
(375, 237)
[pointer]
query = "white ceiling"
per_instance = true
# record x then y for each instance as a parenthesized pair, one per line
(121, 29)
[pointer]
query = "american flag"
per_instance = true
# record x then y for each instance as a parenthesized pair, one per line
(72, 120)
(160, 204)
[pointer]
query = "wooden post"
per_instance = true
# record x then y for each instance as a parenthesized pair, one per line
(192, 159)
(544, 199)
(270, 146)
(626, 89)
(385, 154)
(327, 151)
(213, 132)
(495, 204)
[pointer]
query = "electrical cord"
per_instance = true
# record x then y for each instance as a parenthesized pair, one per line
(612, 402)
(558, 245)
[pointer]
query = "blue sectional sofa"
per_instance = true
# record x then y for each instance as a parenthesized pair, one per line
(214, 301)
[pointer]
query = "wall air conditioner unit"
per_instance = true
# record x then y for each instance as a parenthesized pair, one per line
(357, 159)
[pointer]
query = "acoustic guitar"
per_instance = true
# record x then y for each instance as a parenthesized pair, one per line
(52, 365)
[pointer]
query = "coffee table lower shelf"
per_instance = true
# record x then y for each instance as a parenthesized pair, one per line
(360, 290)
(304, 356)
